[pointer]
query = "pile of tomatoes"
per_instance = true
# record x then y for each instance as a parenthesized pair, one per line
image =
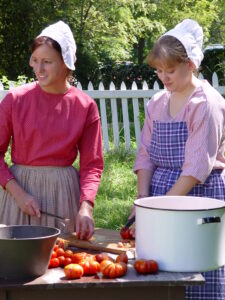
(77, 264)
(60, 257)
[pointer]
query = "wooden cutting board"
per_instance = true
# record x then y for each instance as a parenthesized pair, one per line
(104, 240)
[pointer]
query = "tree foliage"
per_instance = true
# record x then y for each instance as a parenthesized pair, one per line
(106, 31)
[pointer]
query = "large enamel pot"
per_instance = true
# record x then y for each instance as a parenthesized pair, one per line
(182, 233)
(25, 250)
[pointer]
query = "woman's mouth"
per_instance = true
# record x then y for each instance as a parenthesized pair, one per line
(168, 84)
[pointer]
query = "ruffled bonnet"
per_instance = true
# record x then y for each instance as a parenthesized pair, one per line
(190, 34)
(62, 34)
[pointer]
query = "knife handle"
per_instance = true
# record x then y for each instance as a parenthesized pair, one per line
(129, 223)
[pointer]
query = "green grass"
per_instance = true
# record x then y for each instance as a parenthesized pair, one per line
(117, 191)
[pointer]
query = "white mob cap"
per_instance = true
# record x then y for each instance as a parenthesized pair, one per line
(62, 34)
(190, 34)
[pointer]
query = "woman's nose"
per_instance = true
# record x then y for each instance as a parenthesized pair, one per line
(164, 77)
(40, 67)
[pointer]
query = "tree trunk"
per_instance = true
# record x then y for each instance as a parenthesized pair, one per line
(141, 45)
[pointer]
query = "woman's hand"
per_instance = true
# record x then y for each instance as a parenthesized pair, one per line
(133, 228)
(28, 205)
(85, 221)
(25, 201)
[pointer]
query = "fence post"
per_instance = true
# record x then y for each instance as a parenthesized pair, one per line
(114, 117)
(136, 116)
(215, 80)
(104, 119)
(145, 87)
(126, 123)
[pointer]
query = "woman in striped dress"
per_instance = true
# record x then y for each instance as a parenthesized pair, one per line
(50, 122)
(183, 138)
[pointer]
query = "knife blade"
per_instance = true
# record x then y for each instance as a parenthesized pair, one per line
(54, 216)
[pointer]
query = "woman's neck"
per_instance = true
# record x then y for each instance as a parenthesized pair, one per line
(192, 84)
(57, 88)
(178, 99)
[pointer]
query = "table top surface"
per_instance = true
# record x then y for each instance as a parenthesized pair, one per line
(56, 278)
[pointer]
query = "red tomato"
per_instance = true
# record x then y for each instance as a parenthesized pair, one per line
(73, 271)
(67, 261)
(122, 258)
(53, 255)
(152, 266)
(60, 252)
(143, 266)
(125, 234)
(54, 263)
(76, 257)
(61, 260)
(113, 270)
(104, 265)
(103, 256)
(90, 266)
(68, 253)
(55, 247)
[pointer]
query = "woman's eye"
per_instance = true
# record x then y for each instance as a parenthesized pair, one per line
(47, 62)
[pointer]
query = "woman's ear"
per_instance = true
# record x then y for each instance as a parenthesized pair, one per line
(191, 65)
(30, 62)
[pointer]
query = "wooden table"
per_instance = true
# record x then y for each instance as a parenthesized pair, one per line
(54, 286)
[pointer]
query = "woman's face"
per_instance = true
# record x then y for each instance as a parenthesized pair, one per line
(49, 68)
(175, 78)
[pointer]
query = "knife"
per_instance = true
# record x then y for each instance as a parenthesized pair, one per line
(129, 223)
(54, 216)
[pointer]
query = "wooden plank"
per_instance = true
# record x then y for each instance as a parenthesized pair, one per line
(126, 123)
(104, 124)
(136, 121)
(115, 123)
(3, 294)
(145, 105)
(119, 293)
(105, 240)
(109, 94)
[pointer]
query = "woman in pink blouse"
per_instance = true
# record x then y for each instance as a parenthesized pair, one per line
(50, 122)
(183, 138)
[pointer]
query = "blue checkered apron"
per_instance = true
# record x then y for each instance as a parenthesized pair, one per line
(167, 150)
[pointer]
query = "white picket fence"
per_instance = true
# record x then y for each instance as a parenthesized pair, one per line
(112, 98)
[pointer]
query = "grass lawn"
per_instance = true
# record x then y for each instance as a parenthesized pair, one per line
(117, 190)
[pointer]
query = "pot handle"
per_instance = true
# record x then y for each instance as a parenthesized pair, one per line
(208, 220)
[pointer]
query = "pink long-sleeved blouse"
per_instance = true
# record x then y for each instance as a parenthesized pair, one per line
(204, 114)
(49, 130)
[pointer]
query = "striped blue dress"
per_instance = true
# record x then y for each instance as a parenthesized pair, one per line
(167, 150)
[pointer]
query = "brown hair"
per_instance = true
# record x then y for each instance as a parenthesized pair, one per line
(42, 40)
(167, 51)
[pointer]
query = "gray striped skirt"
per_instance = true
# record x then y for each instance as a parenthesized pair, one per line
(56, 190)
